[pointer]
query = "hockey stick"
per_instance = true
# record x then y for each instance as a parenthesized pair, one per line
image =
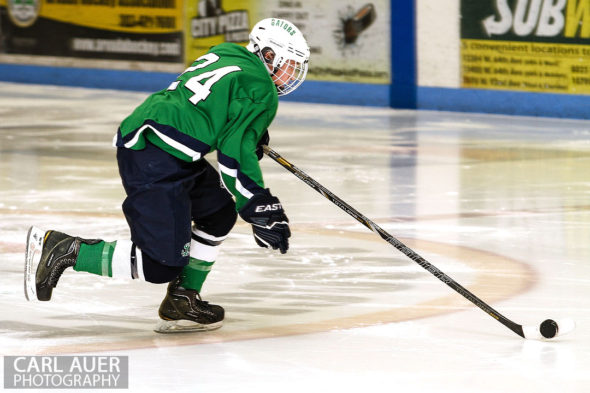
(547, 329)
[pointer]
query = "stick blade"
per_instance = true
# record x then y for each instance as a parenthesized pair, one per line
(566, 325)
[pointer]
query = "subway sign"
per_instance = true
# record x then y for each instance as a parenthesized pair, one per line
(529, 45)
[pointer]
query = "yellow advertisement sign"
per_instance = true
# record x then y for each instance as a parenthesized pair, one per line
(528, 66)
(148, 30)
(209, 23)
(143, 16)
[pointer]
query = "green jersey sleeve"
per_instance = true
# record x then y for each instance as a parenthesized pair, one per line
(236, 153)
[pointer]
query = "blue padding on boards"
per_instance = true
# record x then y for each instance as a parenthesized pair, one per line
(341, 93)
(309, 91)
(504, 102)
(86, 77)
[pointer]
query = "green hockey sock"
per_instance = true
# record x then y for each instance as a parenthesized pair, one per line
(96, 258)
(195, 273)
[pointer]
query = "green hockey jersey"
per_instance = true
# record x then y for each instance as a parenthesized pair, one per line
(224, 101)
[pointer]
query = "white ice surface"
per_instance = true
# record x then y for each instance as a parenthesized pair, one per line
(499, 203)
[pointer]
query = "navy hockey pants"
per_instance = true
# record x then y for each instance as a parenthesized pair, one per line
(163, 194)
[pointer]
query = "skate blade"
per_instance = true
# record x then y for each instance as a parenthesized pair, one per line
(184, 326)
(32, 258)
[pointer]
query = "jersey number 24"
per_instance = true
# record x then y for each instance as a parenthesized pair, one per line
(201, 90)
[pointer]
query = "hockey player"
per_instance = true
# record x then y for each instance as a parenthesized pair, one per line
(177, 209)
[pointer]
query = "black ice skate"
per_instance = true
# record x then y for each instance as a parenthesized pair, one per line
(48, 254)
(183, 310)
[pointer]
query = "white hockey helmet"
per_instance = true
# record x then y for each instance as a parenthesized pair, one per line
(278, 42)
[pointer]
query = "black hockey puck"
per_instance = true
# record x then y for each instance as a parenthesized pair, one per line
(549, 328)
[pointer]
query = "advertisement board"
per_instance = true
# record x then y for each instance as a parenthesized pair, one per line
(146, 30)
(211, 22)
(527, 45)
(349, 41)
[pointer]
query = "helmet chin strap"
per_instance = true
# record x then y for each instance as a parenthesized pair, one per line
(255, 48)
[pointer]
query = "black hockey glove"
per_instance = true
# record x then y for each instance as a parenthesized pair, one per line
(264, 140)
(269, 222)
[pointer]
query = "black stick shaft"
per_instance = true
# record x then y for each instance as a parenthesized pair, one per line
(516, 328)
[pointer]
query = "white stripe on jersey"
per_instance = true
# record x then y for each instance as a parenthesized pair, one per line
(234, 173)
(195, 155)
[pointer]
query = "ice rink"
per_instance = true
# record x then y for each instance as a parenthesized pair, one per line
(499, 203)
